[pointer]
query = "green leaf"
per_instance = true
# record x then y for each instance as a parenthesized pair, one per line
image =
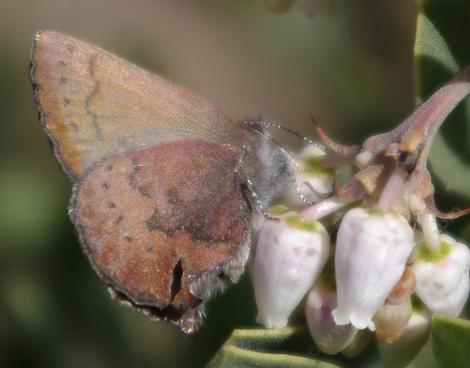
(451, 341)
(441, 50)
(264, 348)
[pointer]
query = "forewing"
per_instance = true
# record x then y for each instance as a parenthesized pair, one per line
(94, 105)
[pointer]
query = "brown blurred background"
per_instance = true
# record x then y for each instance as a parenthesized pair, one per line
(350, 67)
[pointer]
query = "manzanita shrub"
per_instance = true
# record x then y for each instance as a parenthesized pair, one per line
(363, 259)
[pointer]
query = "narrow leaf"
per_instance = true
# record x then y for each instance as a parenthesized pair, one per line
(450, 341)
(266, 348)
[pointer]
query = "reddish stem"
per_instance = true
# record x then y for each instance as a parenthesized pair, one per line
(392, 190)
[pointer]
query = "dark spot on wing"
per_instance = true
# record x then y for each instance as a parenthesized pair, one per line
(152, 221)
(112, 205)
(66, 101)
(176, 279)
(119, 219)
(144, 190)
(71, 48)
(174, 198)
(105, 185)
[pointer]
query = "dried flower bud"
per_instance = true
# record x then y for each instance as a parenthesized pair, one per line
(289, 257)
(393, 316)
(371, 253)
(442, 277)
(391, 320)
(328, 336)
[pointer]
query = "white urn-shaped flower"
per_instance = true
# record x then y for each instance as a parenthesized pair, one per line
(442, 276)
(371, 253)
(290, 255)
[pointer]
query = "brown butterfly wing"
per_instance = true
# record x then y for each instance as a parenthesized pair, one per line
(157, 200)
(94, 105)
(165, 226)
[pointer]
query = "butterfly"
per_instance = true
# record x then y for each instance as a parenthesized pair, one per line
(165, 186)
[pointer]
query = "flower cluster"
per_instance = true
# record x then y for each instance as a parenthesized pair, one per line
(367, 255)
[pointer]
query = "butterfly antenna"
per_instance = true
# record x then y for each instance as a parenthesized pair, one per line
(268, 124)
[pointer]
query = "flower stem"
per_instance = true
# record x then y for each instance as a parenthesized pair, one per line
(322, 209)
(430, 230)
(392, 190)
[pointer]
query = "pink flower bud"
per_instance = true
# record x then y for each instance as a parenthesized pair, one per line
(289, 257)
(442, 277)
(371, 253)
(328, 336)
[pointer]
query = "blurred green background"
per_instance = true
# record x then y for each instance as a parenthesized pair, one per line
(350, 67)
